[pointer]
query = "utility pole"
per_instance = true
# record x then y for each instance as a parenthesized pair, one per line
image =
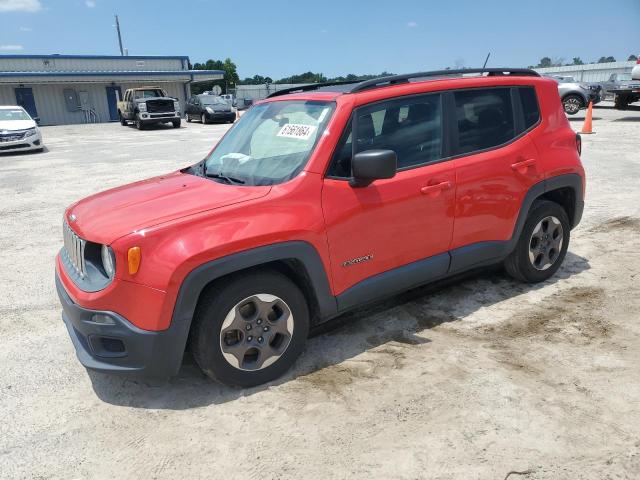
(119, 36)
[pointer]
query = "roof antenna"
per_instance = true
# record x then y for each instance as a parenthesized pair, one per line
(485, 62)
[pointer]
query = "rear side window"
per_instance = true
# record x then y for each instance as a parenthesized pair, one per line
(529, 106)
(484, 118)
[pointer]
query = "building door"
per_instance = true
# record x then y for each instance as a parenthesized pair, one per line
(24, 98)
(113, 95)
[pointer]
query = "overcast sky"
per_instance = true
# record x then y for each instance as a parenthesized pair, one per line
(278, 38)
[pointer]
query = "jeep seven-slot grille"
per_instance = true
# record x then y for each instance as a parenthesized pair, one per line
(159, 106)
(74, 246)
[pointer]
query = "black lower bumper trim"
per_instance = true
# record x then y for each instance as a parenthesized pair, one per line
(119, 346)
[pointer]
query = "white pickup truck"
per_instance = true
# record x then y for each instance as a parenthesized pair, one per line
(629, 93)
(147, 106)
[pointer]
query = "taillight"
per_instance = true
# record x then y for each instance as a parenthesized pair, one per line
(579, 143)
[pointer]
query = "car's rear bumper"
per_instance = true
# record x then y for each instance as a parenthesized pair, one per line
(118, 346)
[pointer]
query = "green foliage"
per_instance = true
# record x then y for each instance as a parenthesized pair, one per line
(606, 59)
(632, 58)
(230, 79)
(577, 61)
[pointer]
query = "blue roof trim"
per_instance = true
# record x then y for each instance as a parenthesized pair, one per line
(105, 57)
(112, 74)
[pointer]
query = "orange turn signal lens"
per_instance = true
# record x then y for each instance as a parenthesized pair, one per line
(133, 258)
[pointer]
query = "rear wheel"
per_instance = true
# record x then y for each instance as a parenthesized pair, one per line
(250, 329)
(542, 245)
(572, 104)
(187, 117)
(123, 122)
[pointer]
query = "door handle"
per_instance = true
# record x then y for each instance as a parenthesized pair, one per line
(438, 187)
(524, 164)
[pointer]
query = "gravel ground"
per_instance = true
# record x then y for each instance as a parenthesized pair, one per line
(471, 380)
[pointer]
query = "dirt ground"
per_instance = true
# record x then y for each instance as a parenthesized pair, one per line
(471, 380)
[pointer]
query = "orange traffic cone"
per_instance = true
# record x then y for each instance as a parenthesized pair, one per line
(587, 128)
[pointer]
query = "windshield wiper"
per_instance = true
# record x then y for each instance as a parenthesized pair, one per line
(226, 178)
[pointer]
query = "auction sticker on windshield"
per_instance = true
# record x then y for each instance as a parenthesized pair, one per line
(295, 130)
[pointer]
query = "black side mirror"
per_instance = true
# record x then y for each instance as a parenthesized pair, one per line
(37, 120)
(372, 165)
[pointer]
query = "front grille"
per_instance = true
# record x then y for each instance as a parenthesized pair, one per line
(11, 147)
(74, 247)
(158, 106)
(12, 136)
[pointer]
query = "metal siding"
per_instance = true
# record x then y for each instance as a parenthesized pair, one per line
(121, 64)
(591, 72)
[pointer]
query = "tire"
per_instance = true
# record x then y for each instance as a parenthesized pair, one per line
(123, 122)
(256, 360)
(203, 119)
(187, 118)
(572, 104)
(620, 102)
(139, 123)
(528, 262)
(176, 123)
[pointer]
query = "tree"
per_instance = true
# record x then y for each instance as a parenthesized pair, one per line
(606, 59)
(544, 62)
(632, 58)
(230, 75)
(577, 61)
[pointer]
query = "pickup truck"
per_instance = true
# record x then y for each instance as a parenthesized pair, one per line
(147, 106)
(629, 92)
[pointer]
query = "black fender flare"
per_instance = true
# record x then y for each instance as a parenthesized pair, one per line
(195, 282)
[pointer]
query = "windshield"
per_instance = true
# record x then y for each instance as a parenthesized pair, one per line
(270, 144)
(624, 77)
(211, 100)
(14, 114)
(148, 93)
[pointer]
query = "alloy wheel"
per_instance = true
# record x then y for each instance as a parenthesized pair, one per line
(256, 332)
(545, 243)
(571, 105)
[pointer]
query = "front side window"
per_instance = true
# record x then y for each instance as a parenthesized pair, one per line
(484, 118)
(270, 144)
(411, 127)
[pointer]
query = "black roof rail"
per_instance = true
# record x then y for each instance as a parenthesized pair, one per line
(395, 79)
(306, 88)
(359, 86)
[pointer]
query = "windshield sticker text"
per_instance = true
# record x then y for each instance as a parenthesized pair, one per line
(294, 130)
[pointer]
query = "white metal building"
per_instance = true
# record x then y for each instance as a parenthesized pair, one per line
(64, 89)
(591, 72)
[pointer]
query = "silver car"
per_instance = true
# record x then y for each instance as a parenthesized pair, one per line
(575, 95)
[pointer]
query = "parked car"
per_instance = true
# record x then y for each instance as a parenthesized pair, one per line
(147, 106)
(229, 98)
(628, 91)
(209, 108)
(575, 95)
(18, 131)
(318, 201)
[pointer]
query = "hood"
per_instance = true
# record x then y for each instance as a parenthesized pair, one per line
(146, 99)
(107, 216)
(16, 125)
(219, 107)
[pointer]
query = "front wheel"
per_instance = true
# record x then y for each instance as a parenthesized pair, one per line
(176, 123)
(139, 123)
(542, 245)
(203, 119)
(572, 104)
(250, 329)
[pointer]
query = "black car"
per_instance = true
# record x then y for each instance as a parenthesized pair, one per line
(209, 108)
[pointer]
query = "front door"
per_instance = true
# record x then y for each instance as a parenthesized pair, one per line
(394, 222)
(24, 98)
(113, 95)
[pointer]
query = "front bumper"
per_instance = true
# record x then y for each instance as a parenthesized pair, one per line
(119, 347)
(159, 117)
(23, 144)
(220, 116)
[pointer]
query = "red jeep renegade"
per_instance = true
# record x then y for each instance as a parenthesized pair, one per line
(317, 201)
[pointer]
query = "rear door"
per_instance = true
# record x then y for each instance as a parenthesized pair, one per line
(394, 222)
(497, 162)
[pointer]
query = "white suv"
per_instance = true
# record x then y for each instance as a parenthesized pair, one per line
(18, 131)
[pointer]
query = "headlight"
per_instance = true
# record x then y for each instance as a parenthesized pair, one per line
(142, 107)
(209, 109)
(176, 106)
(31, 132)
(108, 261)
